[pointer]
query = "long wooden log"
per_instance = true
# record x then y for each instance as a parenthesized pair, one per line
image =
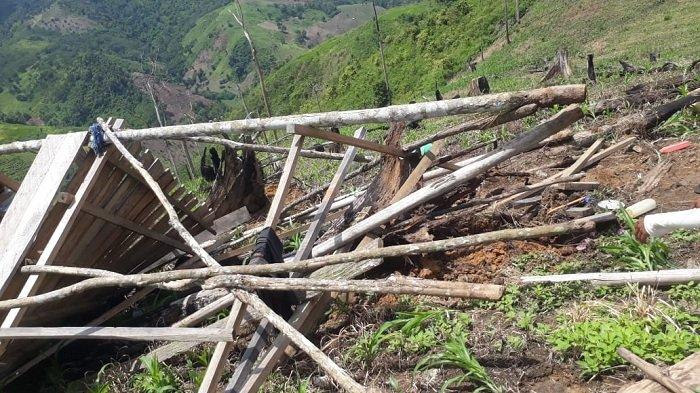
(273, 149)
(653, 372)
(659, 277)
(491, 103)
(118, 333)
(561, 120)
(394, 285)
(107, 280)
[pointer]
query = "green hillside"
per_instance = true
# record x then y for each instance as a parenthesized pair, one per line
(431, 42)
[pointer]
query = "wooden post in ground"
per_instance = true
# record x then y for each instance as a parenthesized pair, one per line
(591, 68)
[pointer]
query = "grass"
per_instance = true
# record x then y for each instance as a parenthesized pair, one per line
(634, 254)
(156, 378)
(454, 354)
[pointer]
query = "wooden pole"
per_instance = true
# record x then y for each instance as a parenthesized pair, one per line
(338, 374)
(489, 103)
(505, 18)
(273, 149)
(118, 333)
(381, 50)
(656, 278)
(652, 371)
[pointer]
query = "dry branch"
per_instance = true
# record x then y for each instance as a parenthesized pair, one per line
(660, 277)
(118, 333)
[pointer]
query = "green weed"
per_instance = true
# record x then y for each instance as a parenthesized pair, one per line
(689, 293)
(412, 331)
(633, 253)
(681, 124)
(455, 354)
(156, 378)
(293, 243)
(685, 236)
(653, 331)
(99, 385)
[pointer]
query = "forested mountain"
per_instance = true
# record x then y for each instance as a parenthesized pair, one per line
(62, 62)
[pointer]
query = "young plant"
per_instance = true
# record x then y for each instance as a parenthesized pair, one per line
(155, 378)
(633, 253)
(293, 243)
(455, 354)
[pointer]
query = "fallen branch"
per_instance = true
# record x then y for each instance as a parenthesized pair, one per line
(118, 333)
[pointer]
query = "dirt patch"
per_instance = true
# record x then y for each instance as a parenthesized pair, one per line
(176, 101)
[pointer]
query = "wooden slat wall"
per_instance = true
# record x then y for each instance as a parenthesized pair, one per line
(93, 242)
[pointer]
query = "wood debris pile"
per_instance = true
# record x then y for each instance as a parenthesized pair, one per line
(122, 222)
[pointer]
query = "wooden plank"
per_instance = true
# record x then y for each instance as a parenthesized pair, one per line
(333, 189)
(347, 140)
(259, 337)
(176, 203)
(583, 159)
(133, 226)
(285, 180)
(60, 233)
(31, 204)
(119, 333)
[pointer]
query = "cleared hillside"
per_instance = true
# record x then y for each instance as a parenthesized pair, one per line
(430, 43)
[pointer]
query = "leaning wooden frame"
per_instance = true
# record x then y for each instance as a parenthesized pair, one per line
(315, 256)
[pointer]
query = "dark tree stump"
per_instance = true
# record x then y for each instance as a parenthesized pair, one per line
(241, 184)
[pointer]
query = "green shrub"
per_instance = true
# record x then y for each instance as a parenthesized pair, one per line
(667, 335)
(156, 378)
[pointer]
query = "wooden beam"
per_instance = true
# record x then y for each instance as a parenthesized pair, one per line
(221, 352)
(259, 337)
(118, 333)
(31, 204)
(133, 226)
(347, 140)
(652, 371)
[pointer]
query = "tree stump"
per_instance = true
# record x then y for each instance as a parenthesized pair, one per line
(241, 184)
(559, 67)
(591, 68)
(479, 86)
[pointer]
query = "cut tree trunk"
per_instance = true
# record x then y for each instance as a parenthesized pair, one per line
(560, 67)
(591, 68)
(479, 86)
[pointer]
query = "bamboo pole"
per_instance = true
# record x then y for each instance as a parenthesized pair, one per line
(489, 103)
(273, 149)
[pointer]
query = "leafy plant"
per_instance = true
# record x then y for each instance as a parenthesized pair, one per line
(635, 254)
(681, 124)
(689, 292)
(455, 354)
(665, 334)
(156, 378)
(685, 236)
(293, 243)
(198, 360)
(99, 385)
